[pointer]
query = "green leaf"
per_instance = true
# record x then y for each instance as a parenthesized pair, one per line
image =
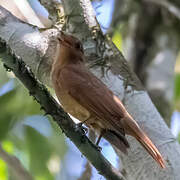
(15, 105)
(23, 104)
(8, 146)
(117, 40)
(177, 92)
(179, 137)
(177, 86)
(3, 170)
(6, 117)
(39, 153)
(4, 77)
(58, 140)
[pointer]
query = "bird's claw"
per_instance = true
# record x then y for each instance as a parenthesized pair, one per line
(99, 148)
(85, 129)
(80, 126)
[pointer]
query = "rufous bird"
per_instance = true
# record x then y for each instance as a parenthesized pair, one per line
(88, 99)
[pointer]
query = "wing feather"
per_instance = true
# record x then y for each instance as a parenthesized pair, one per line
(91, 93)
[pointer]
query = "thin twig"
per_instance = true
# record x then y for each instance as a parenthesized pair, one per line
(15, 165)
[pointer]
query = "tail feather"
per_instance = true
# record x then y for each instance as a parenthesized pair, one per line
(151, 149)
(133, 129)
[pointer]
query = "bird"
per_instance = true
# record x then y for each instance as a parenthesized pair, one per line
(88, 99)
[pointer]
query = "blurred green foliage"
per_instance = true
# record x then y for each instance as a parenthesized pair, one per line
(34, 149)
(3, 170)
(117, 40)
(39, 152)
(177, 91)
(8, 147)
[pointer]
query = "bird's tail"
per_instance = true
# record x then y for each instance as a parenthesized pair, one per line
(135, 131)
(151, 149)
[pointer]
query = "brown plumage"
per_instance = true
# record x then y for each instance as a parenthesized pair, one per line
(85, 97)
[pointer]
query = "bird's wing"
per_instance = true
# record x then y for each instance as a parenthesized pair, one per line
(91, 93)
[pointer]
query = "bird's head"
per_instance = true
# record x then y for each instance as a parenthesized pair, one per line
(70, 42)
(69, 51)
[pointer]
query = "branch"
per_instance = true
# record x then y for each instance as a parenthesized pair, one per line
(35, 46)
(81, 21)
(51, 107)
(15, 165)
(54, 9)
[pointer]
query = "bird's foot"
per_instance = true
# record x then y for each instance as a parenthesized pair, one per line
(99, 148)
(80, 126)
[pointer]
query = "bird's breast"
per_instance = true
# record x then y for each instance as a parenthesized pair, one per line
(71, 106)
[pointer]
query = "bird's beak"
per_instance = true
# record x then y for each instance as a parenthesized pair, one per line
(62, 37)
